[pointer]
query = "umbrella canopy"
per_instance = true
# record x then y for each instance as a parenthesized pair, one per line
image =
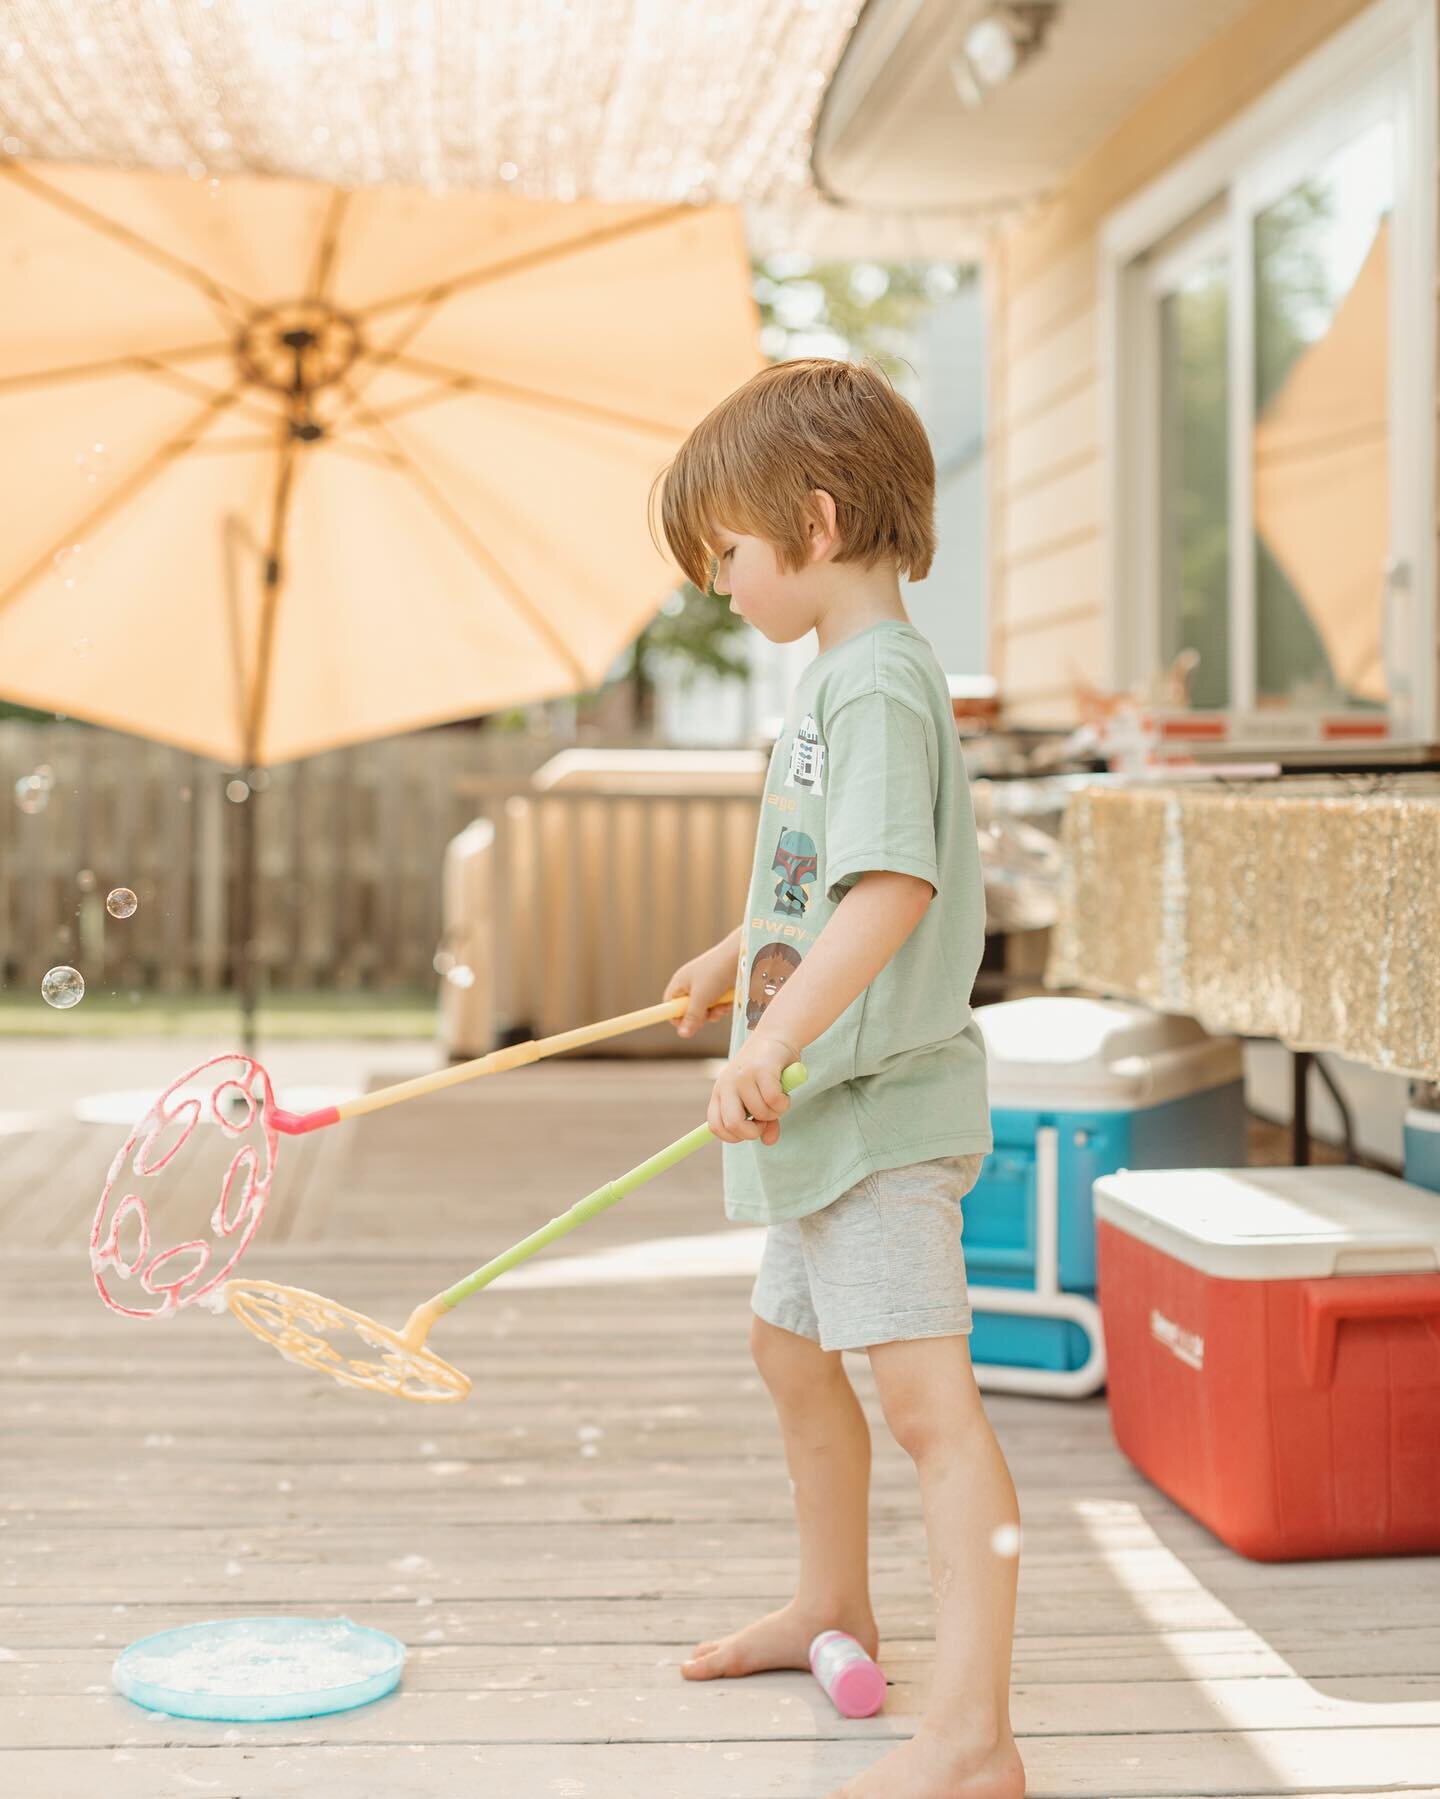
(287, 467)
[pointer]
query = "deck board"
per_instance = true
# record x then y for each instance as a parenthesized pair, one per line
(548, 1584)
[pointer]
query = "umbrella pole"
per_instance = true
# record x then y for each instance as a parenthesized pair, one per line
(244, 962)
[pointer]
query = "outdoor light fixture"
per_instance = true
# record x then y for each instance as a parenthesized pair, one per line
(997, 43)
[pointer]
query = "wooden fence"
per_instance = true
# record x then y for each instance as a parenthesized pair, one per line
(593, 898)
(349, 852)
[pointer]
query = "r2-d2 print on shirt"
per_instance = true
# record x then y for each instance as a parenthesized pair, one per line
(807, 757)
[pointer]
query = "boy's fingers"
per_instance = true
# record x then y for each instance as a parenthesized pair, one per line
(774, 1095)
(756, 1102)
(692, 1019)
(732, 1109)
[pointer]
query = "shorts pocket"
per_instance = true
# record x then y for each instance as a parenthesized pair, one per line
(844, 1241)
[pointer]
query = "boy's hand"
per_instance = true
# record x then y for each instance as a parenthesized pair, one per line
(748, 1099)
(706, 979)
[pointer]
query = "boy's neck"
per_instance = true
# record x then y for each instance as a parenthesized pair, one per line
(855, 608)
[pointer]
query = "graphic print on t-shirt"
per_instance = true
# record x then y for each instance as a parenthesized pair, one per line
(807, 757)
(797, 863)
(769, 971)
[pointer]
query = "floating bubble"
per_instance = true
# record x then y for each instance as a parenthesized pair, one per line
(62, 988)
(460, 976)
(121, 902)
(85, 880)
(442, 961)
(238, 791)
(93, 462)
(1005, 1540)
(32, 795)
(71, 565)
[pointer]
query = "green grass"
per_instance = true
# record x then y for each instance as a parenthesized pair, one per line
(281, 1015)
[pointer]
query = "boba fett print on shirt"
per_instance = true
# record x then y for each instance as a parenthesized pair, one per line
(807, 757)
(796, 863)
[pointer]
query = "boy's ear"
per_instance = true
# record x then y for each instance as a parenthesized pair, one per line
(821, 526)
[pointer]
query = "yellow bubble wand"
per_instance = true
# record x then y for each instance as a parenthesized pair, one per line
(300, 1324)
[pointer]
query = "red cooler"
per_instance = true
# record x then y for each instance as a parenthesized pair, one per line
(1273, 1340)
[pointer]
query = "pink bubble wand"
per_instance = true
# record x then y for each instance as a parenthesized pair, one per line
(233, 1092)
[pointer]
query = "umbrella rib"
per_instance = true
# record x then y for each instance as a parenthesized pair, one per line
(450, 517)
(457, 381)
(154, 465)
(187, 384)
(226, 445)
(438, 291)
(377, 359)
(219, 296)
(274, 577)
(150, 362)
(389, 460)
(427, 299)
(329, 244)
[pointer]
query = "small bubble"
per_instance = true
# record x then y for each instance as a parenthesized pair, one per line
(184, 794)
(85, 880)
(70, 564)
(93, 462)
(442, 961)
(121, 902)
(460, 976)
(62, 988)
(1005, 1540)
(32, 795)
(238, 791)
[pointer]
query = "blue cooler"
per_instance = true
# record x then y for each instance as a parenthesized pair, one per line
(1079, 1088)
(1422, 1148)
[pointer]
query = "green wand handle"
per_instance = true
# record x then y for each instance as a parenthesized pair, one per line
(594, 1203)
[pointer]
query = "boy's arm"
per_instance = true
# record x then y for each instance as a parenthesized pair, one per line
(871, 922)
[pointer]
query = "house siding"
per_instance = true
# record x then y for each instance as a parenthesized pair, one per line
(1049, 608)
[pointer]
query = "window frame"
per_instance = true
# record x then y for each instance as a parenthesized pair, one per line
(1383, 64)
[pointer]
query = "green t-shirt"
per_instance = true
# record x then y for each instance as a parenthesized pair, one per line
(867, 775)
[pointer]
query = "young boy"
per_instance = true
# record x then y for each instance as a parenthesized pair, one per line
(803, 497)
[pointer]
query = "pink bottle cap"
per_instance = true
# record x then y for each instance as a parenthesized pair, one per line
(858, 1690)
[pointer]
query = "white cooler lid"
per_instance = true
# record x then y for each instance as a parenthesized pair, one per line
(1263, 1224)
(1104, 1055)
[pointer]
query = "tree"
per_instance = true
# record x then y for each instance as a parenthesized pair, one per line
(846, 309)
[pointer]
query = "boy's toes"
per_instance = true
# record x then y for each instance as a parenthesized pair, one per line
(707, 1661)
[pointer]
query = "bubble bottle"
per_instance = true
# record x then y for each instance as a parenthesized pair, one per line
(853, 1683)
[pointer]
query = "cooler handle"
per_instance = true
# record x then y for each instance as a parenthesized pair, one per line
(1361, 1296)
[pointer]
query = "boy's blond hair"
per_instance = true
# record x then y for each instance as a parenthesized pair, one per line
(752, 463)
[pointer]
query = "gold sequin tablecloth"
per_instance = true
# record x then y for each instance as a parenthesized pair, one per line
(1304, 909)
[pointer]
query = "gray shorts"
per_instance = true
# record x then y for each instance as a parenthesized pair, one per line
(881, 1264)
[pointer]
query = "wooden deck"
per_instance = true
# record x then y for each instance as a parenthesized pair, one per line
(612, 1490)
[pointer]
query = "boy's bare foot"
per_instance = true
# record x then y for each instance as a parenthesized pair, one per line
(780, 1640)
(927, 1767)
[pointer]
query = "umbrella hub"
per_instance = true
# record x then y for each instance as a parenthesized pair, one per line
(298, 348)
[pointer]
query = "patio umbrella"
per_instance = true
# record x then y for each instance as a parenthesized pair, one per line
(288, 467)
